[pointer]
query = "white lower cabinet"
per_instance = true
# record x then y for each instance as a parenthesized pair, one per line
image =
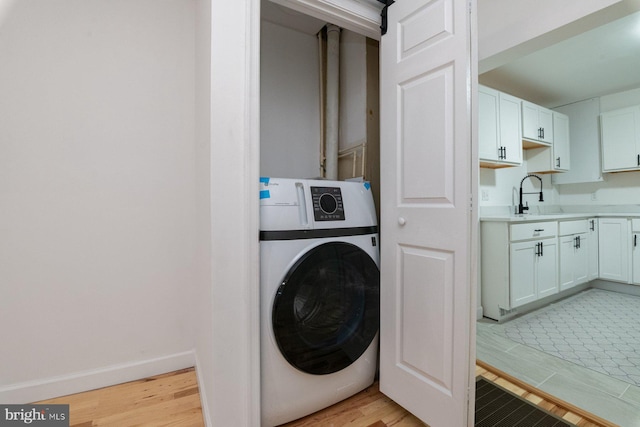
(519, 265)
(523, 262)
(614, 249)
(533, 270)
(592, 248)
(574, 253)
(635, 248)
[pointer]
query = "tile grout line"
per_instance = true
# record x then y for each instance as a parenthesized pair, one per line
(625, 390)
(546, 379)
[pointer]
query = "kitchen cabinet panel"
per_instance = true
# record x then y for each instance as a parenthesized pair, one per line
(620, 139)
(519, 265)
(635, 250)
(561, 142)
(522, 275)
(547, 268)
(488, 124)
(584, 144)
(533, 230)
(592, 248)
(613, 248)
(499, 129)
(574, 253)
(511, 127)
(533, 270)
(537, 123)
(555, 158)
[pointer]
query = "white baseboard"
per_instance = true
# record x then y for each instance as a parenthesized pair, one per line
(47, 388)
(203, 393)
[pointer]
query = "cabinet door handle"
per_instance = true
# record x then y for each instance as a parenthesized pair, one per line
(537, 230)
(635, 240)
(542, 133)
(558, 162)
(537, 249)
(638, 159)
(541, 249)
(593, 225)
(504, 153)
(578, 241)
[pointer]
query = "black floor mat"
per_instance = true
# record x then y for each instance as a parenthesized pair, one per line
(496, 406)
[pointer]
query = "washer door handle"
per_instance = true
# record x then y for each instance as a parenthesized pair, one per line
(401, 221)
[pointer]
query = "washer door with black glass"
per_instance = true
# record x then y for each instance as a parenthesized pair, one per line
(327, 310)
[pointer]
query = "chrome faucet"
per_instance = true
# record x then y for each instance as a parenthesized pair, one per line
(522, 208)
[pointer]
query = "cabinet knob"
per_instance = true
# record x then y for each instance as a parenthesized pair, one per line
(402, 221)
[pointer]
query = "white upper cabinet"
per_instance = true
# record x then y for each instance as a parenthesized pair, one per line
(555, 158)
(537, 123)
(584, 144)
(561, 142)
(499, 129)
(488, 125)
(620, 139)
(510, 128)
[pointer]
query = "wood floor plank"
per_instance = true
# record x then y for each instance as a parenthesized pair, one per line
(170, 399)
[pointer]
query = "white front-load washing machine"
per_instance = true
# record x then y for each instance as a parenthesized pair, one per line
(320, 294)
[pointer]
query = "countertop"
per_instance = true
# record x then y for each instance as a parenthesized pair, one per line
(555, 216)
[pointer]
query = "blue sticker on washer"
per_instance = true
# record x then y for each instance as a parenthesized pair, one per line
(264, 194)
(367, 185)
(264, 180)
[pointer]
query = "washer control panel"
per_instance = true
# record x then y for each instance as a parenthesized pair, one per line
(327, 204)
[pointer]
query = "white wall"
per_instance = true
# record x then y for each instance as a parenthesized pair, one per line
(500, 187)
(98, 188)
(290, 103)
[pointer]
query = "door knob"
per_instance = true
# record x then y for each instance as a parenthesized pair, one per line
(402, 221)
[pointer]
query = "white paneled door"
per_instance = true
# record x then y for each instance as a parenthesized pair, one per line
(426, 213)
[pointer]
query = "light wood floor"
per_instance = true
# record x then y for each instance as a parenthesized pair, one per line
(164, 400)
(173, 400)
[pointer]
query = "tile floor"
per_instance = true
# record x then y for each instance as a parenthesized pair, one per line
(609, 393)
(597, 329)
